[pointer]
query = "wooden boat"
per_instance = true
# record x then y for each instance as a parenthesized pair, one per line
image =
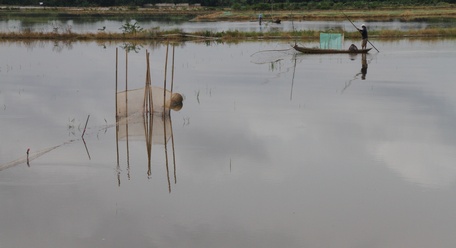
(319, 51)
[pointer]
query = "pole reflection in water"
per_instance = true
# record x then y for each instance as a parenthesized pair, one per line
(146, 116)
(154, 130)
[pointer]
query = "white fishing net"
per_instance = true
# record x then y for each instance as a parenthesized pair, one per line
(154, 128)
(138, 119)
(132, 102)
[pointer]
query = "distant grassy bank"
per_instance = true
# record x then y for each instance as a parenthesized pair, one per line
(405, 13)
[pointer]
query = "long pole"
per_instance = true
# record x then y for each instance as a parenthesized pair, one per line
(164, 82)
(117, 59)
(117, 119)
(357, 29)
(85, 126)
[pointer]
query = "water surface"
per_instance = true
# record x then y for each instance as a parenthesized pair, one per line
(114, 25)
(302, 152)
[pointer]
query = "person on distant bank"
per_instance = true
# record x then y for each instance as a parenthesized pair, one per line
(363, 31)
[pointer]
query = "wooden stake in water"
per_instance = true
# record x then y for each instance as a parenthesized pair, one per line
(172, 77)
(172, 146)
(172, 71)
(146, 86)
(117, 63)
(151, 100)
(28, 161)
(85, 126)
(117, 117)
(166, 153)
(148, 103)
(164, 83)
(126, 109)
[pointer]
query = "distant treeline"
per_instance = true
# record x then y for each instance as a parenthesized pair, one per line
(237, 4)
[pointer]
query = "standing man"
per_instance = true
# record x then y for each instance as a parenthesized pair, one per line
(363, 32)
(260, 18)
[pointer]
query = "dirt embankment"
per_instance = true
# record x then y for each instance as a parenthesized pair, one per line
(377, 14)
(207, 14)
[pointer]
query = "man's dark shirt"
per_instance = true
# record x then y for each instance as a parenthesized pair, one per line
(364, 32)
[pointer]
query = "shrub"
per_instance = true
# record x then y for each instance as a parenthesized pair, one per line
(128, 28)
(236, 6)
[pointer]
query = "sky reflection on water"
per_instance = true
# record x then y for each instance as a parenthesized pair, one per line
(262, 160)
(114, 26)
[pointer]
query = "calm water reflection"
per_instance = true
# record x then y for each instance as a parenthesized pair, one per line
(302, 152)
(114, 25)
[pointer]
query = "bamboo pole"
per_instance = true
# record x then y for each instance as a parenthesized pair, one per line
(126, 107)
(164, 82)
(151, 100)
(117, 120)
(172, 77)
(87, 149)
(166, 153)
(172, 71)
(28, 161)
(150, 142)
(85, 126)
(292, 78)
(148, 125)
(146, 103)
(172, 146)
(117, 59)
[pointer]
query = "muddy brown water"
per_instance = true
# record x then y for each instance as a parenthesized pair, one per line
(270, 149)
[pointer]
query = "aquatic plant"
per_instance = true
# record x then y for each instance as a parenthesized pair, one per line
(129, 28)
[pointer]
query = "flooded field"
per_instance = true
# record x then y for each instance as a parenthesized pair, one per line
(83, 25)
(270, 149)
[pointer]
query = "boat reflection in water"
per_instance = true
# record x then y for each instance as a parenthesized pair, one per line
(145, 114)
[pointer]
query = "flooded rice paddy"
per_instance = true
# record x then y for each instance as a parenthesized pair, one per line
(114, 25)
(270, 149)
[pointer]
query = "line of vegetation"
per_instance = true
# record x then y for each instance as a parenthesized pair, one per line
(30, 14)
(238, 4)
(336, 4)
(155, 34)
